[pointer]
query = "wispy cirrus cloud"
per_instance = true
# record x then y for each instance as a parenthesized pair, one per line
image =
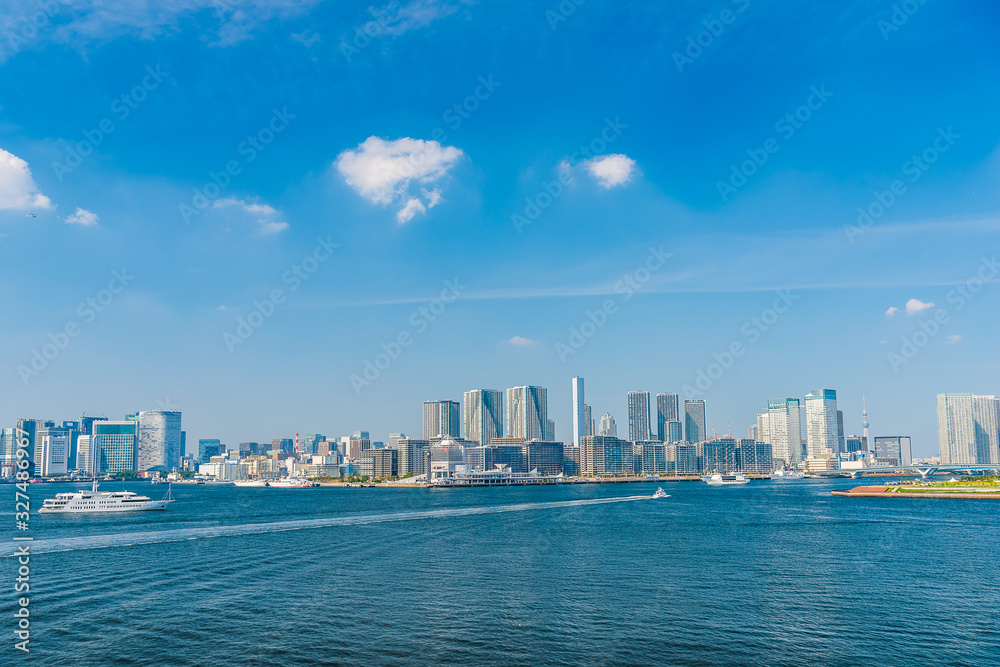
(266, 215)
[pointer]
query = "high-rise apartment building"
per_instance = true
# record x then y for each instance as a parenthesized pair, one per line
(159, 439)
(822, 432)
(527, 413)
(579, 412)
(608, 426)
(968, 429)
(694, 421)
(638, 416)
(667, 410)
(784, 430)
(605, 455)
(483, 415)
(441, 418)
(588, 419)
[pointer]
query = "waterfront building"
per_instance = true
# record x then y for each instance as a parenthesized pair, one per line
(754, 456)
(784, 427)
(8, 449)
(667, 410)
(114, 446)
(650, 456)
(605, 455)
(207, 448)
(822, 433)
(608, 426)
(324, 465)
(441, 418)
(483, 415)
(159, 439)
(443, 459)
(411, 456)
(488, 457)
(683, 458)
(720, 455)
(571, 461)
(379, 463)
(893, 450)
(580, 417)
(968, 429)
(695, 429)
(544, 456)
(527, 413)
(588, 421)
(638, 416)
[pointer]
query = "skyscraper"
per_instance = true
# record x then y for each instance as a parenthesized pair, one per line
(588, 420)
(666, 411)
(159, 439)
(784, 430)
(114, 447)
(638, 416)
(579, 412)
(207, 448)
(968, 429)
(527, 413)
(840, 432)
(608, 426)
(822, 433)
(694, 421)
(893, 450)
(483, 415)
(441, 419)
(51, 450)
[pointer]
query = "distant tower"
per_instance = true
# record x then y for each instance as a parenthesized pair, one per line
(864, 420)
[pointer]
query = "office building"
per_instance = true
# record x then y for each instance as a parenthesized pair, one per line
(822, 432)
(720, 455)
(855, 443)
(754, 456)
(695, 430)
(968, 429)
(544, 456)
(412, 456)
(784, 431)
(51, 450)
(527, 413)
(309, 443)
(114, 446)
(358, 442)
(579, 412)
(761, 431)
(588, 420)
(608, 426)
(283, 445)
(489, 457)
(207, 448)
(379, 463)
(441, 418)
(667, 410)
(483, 415)
(893, 450)
(159, 439)
(638, 416)
(841, 443)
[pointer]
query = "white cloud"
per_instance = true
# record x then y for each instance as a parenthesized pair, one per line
(82, 217)
(17, 188)
(611, 170)
(418, 14)
(520, 341)
(266, 215)
(914, 306)
(954, 338)
(382, 172)
(892, 312)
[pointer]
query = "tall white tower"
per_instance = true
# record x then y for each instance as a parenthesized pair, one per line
(579, 422)
(864, 423)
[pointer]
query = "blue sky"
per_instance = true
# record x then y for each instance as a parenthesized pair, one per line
(359, 144)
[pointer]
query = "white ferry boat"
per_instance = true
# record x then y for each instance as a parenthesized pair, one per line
(250, 482)
(93, 501)
(725, 480)
(787, 474)
(291, 483)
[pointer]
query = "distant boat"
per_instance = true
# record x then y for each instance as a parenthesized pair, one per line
(251, 482)
(215, 482)
(291, 483)
(787, 474)
(94, 501)
(725, 480)
(660, 493)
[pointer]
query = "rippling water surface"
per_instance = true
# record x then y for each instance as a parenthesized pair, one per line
(773, 573)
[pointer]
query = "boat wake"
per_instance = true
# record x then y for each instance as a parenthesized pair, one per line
(205, 532)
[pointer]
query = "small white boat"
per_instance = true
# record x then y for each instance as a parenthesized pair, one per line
(787, 474)
(215, 482)
(251, 482)
(725, 480)
(94, 501)
(291, 483)
(660, 493)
